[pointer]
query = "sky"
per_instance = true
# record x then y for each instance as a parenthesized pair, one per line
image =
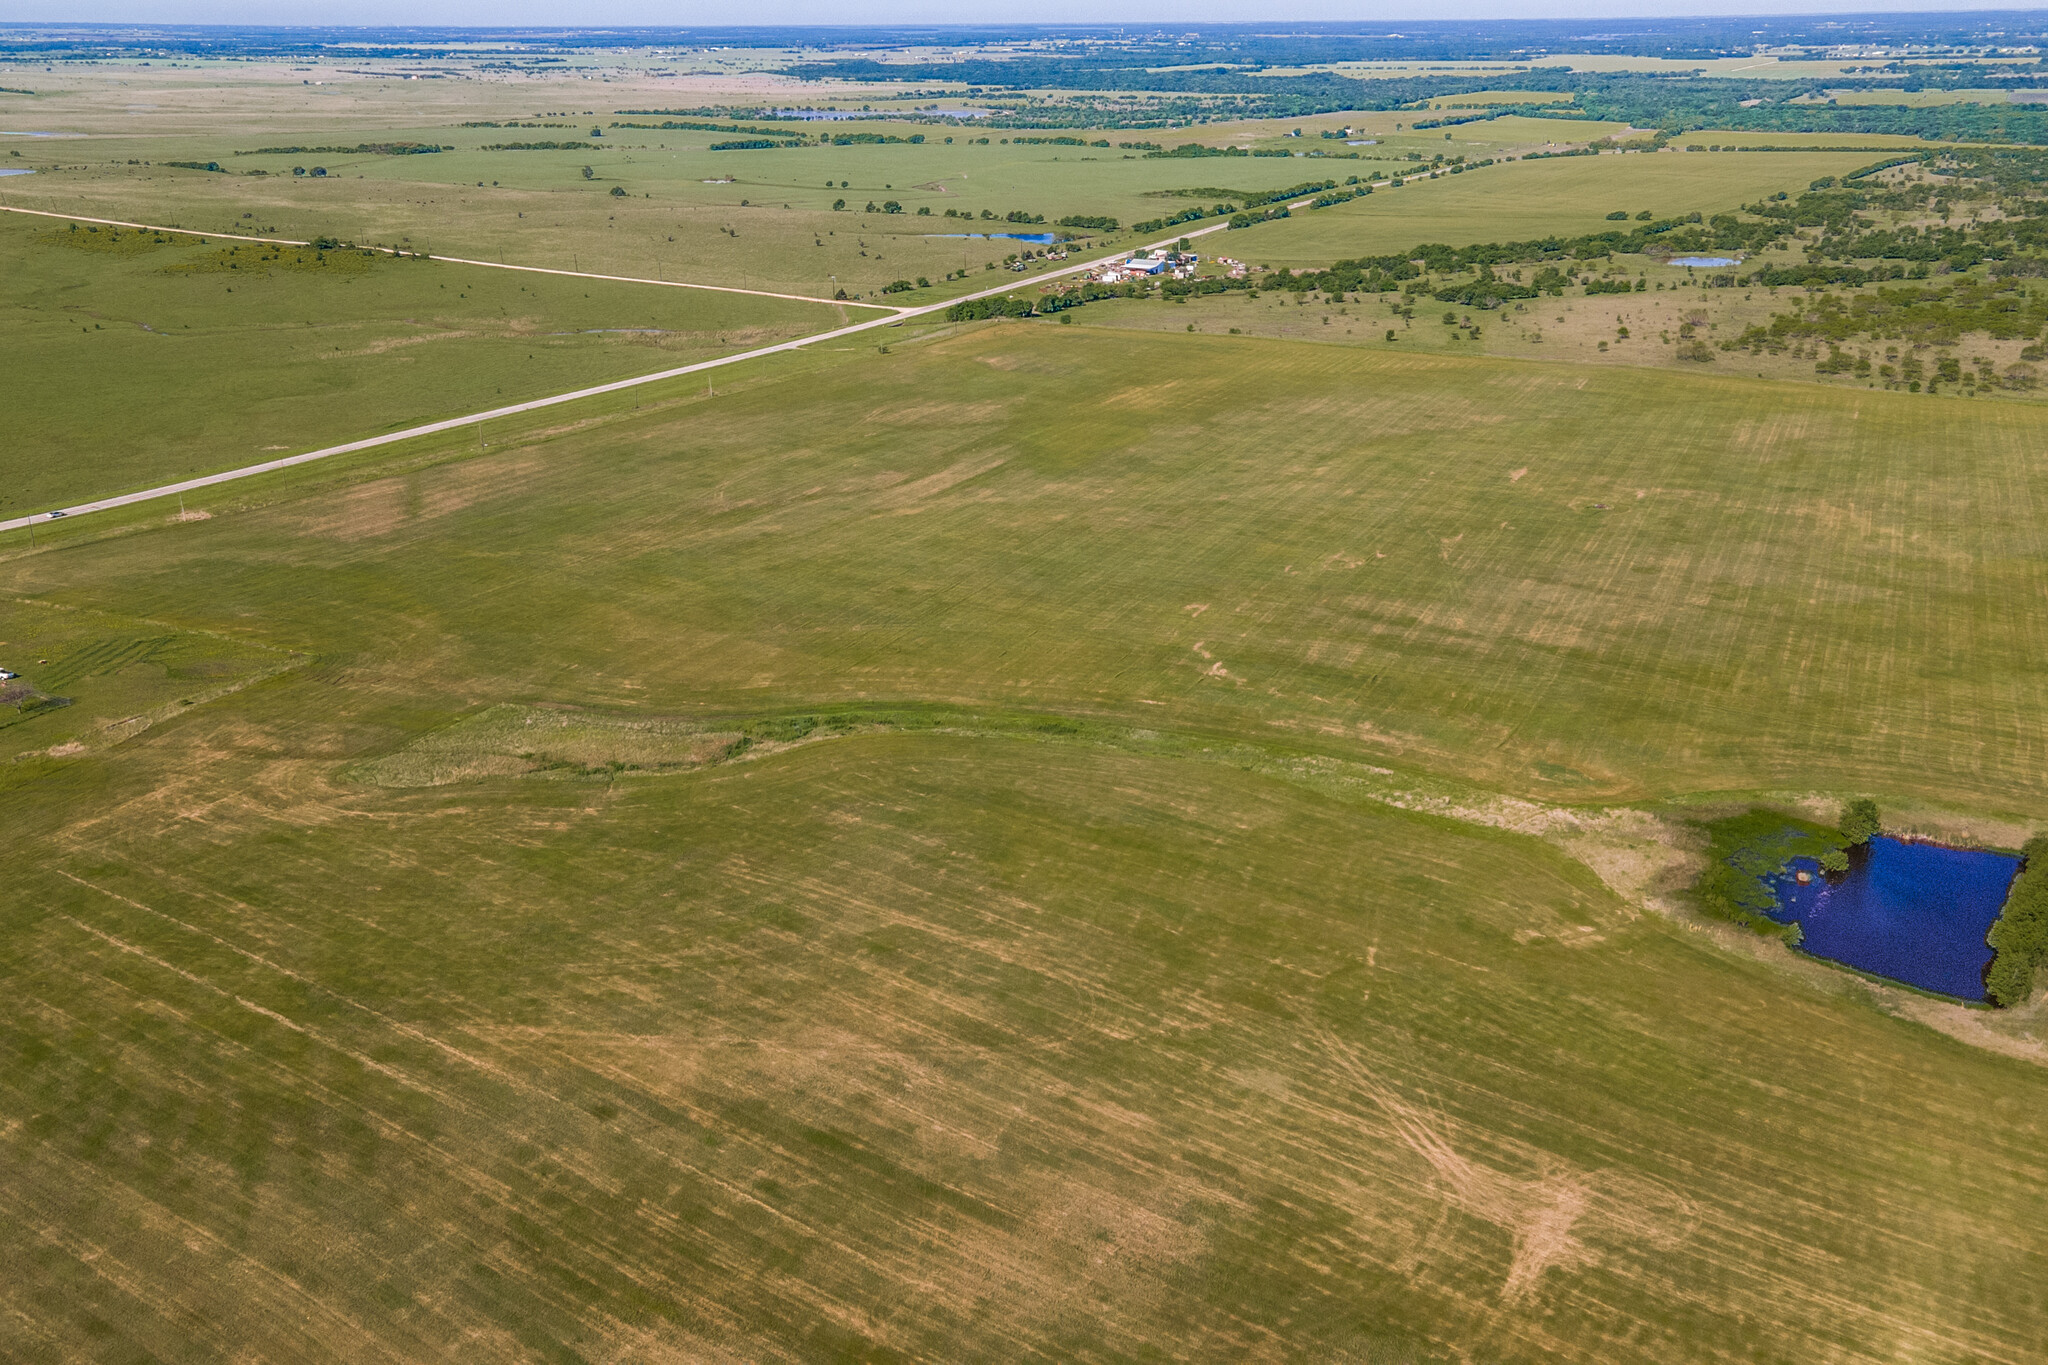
(599, 13)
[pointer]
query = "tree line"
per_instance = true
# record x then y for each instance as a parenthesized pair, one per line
(2019, 936)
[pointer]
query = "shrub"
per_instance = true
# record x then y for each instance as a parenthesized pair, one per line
(1834, 860)
(618, 191)
(975, 310)
(2019, 937)
(1859, 820)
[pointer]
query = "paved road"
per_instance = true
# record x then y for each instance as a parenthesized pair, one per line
(453, 423)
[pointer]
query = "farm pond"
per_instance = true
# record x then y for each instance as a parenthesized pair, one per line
(1041, 237)
(1913, 912)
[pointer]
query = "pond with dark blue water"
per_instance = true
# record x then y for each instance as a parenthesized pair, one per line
(1916, 913)
(1040, 237)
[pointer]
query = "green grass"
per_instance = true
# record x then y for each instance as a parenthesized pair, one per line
(134, 360)
(99, 678)
(1051, 842)
(938, 1046)
(670, 223)
(1525, 200)
(1304, 540)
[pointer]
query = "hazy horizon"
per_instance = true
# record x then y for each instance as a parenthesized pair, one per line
(777, 13)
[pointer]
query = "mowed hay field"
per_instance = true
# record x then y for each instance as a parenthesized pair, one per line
(1572, 582)
(994, 1041)
(136, 358)
(922, 1047)
(1525, 200)
(764, 218)
(755, 219)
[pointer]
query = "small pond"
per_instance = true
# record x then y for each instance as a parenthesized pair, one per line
(1013, 236)
(16, 170)
(1916, 913)
(1707, 262)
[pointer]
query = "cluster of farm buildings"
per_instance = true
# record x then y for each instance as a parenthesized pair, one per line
(1177, 265)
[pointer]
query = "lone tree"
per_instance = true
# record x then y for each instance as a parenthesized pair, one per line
(1859, 820)
(588, 173)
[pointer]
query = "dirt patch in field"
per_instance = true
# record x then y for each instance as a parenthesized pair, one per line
(939, 414)
(514, 741)
(370, 509)
(385, 505)
(385, 345)
(450, 488)
(1558, 1217)
(933, 484)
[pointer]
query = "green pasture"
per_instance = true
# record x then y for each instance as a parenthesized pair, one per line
(1396, 134)
(758, 219)
(773, 226)
(929, 1046)
(1522, 200)
(1093, 839)
(865, 867)
(134, 359)
(1693, 584)
(668, 223)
